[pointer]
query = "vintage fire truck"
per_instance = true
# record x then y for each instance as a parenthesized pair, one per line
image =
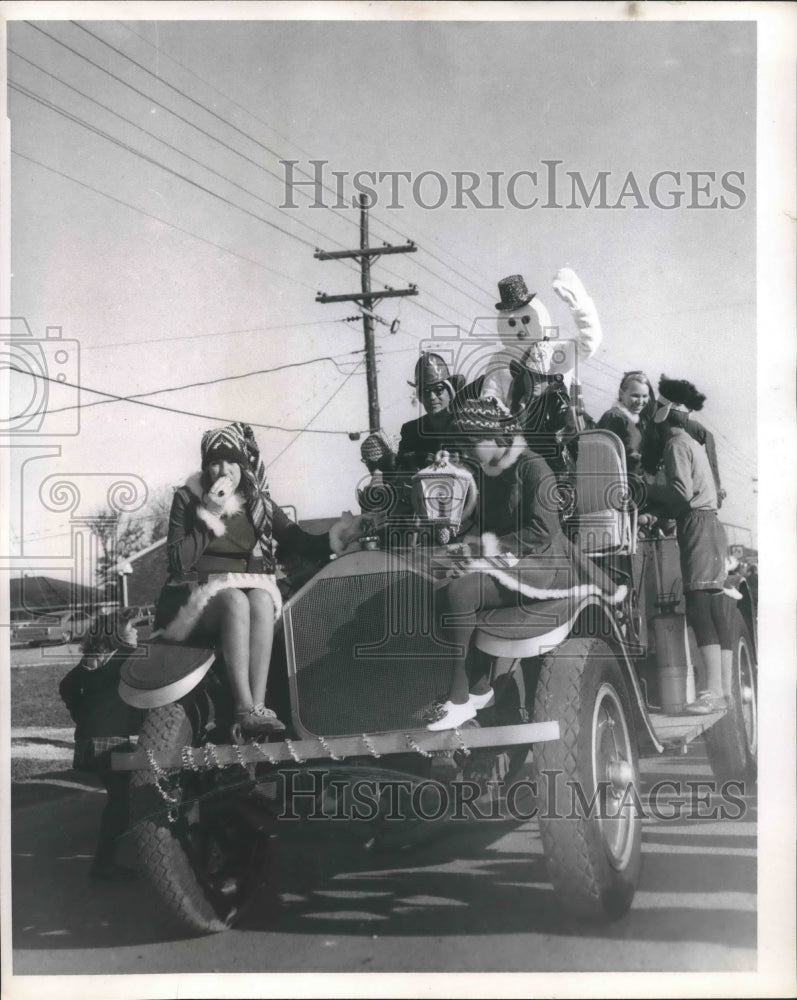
(583, 690)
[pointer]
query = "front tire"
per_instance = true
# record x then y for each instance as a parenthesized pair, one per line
(592, 844)
(203, 866)
(732, 743)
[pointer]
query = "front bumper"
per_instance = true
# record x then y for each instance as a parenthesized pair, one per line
(374, 745)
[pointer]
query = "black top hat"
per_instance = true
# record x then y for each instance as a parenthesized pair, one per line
(514, 293)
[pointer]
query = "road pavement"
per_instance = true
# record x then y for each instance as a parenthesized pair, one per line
(475, 900)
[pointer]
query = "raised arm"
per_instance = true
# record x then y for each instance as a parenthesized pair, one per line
(188, 537)
(570, 290)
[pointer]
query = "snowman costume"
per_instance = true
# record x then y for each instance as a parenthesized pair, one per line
(528, 335)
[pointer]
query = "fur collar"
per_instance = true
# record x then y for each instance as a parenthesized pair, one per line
(508, 459)
(632, 417)
(214, 522)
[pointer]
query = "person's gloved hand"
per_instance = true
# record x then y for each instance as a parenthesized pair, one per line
(346, 530)
(217, 496)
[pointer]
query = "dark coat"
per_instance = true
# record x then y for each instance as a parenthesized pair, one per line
(618, 421)
(92, 698)
(198, 543)
(420, 441)
(522, 545)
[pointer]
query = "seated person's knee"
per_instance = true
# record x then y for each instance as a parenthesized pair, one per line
(260, 602)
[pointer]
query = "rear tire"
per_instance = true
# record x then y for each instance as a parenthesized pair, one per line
(206, 865)
(732, 744)
(593, 853)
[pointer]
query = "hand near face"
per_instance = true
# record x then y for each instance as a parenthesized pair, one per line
(218, 495)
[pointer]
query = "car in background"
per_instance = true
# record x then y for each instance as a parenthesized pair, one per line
(51, 629)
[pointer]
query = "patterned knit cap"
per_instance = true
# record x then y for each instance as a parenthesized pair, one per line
(237, 443)
(485, 418)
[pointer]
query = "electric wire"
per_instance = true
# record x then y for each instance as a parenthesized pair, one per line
(50, 105)
(376, 219)
(176, 149)
(203, 336)
(225, 121)
(203, 131)
(168, 409)
(157, 218)
(307, 429)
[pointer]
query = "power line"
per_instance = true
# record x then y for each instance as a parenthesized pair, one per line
(212, 381)
(167, 409)
(203, 131)
(183, 94)
(201, 336)
(154, 100)
(295, 145)
(251, 138)
(157, 218)
(175, 149)
(304, 173)
(306, 429)
(150, 159)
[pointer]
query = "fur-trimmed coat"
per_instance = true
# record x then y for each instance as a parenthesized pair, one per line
(630, 428)
(522, 545)
(199, 544)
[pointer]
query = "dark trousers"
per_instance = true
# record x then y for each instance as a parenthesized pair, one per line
(115, 816)
(457, 606)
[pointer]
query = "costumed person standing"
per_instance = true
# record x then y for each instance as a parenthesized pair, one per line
(104, 723)
(651, 452)
(522, 555)
(523, 318)
(541, 405)
(690, 496)
(421, 439)
(223, 528)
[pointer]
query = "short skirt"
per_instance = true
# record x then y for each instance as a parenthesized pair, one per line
(179, 608)
(703, 548)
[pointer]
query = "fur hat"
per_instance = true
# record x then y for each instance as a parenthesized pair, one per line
(677, 391)
(680, 391)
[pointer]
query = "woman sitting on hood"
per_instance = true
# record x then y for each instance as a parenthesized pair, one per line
(223, 528)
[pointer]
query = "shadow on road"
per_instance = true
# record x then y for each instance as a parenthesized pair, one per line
(483, 880)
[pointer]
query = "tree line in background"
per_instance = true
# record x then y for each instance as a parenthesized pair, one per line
(121, 536)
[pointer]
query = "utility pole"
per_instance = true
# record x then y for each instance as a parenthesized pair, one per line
(368, 299)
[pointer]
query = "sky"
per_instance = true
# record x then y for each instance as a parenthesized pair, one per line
(171, 265)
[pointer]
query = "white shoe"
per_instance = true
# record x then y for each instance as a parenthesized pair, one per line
(453, 716)
(480, 701)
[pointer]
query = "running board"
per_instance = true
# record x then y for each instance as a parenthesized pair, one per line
(338, 747)
(679, 730)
